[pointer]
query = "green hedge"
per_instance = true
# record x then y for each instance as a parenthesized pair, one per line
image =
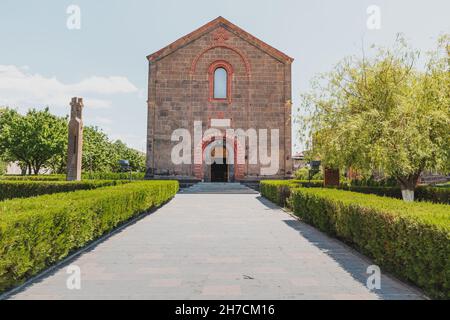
(278, 191)
(25, 189)
(114, 176)
(37, 232)
(422, 193)
(411, 240)
(85, 176)
(40, 177)
(433, 194)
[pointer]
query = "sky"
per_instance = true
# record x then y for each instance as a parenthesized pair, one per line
(43, 63)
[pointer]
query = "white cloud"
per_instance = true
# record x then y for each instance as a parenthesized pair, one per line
(22, 89)
(132, 140)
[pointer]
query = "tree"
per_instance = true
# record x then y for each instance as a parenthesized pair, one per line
(122, 152)
(3, 166)
(32, 139)
(383, 114)
(98, 153)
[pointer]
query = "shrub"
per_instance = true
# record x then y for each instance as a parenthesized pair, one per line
(422, 193)
(278, 191)
(114, 176)
(40, 177)
(37, 232)
(85, 176)
(411, 240)
(371, 182)
(433, 194)
(392, 192)
(25, 189)
(302, 174)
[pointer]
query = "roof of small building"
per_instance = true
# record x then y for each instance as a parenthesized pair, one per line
(298, 156)
(220, 22)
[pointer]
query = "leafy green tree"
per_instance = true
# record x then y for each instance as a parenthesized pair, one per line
(98, 152)
(123, 152)
(32, 139)
(39, 139)
(383, 114)
(3, 165)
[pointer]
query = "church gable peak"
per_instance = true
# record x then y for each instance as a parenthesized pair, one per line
(221, 29)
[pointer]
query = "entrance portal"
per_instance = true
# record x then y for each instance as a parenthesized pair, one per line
(218, 161)
(219, 166)
(219, 171)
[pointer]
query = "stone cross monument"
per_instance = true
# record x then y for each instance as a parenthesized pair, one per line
(75, 143)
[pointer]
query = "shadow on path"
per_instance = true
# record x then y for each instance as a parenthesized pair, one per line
(353, 262)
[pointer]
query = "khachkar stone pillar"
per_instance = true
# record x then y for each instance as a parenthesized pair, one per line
(75, 143)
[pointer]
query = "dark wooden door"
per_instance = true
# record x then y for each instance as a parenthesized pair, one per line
(219, 172)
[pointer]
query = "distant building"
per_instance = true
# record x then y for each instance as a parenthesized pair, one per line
(299, 161)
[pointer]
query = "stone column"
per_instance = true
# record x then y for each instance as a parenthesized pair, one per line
(75, 143)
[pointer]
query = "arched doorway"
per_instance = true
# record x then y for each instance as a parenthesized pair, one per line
(219, 165)
(218, 162)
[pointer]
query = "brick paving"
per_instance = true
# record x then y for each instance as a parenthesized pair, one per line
(218, 246)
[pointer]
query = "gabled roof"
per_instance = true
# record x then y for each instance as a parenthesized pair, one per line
(220, 22)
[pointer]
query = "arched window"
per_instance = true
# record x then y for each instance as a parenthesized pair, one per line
(220, 78)
(220, 83)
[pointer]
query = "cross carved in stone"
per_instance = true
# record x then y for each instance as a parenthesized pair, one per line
(220, 36)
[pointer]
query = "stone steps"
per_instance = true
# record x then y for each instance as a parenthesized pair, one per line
(218, 188)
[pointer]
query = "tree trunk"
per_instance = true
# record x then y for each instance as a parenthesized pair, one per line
(23, 170)
(408, 185)
(36, 169)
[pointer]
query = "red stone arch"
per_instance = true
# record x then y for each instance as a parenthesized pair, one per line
(212, 68)
(239, 53)
(199, 169)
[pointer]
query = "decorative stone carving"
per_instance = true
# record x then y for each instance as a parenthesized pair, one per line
(220, 36)
(75, 142)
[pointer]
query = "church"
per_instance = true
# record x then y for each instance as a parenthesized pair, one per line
(219, 108)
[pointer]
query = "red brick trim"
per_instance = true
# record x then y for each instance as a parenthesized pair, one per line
(200, 168)
(239, 52)
(219, 21)
(211, 70)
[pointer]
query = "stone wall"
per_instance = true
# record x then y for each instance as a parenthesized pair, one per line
(179, 94)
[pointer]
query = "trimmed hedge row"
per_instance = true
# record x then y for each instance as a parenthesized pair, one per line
(85, 176)
(37, 232)
(433, 194)
(40, 177)
(411, 240)
(114, 176)
(422, 193)
(10, 189)
(278, 191)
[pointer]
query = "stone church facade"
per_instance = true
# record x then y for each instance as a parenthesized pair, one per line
(221, 77)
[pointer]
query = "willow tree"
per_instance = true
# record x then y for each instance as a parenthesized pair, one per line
(383, 113)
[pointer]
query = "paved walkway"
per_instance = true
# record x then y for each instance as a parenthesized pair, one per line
(218, 246)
